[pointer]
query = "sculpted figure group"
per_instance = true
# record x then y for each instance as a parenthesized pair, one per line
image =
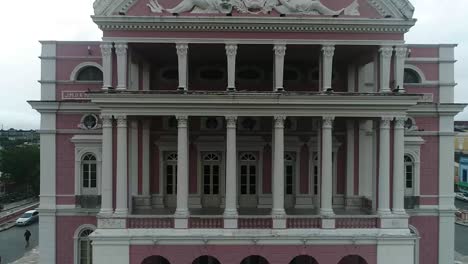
(303, 7)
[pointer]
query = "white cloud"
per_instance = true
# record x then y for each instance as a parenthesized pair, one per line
(28, 21)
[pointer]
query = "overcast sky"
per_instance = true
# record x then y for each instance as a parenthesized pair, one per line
(26, 22)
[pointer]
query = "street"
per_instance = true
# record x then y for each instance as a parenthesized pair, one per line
(12, 243)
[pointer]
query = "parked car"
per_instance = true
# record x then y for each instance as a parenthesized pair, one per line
(461, 196)
(28, 218)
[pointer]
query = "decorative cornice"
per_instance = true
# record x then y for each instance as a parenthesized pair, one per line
(263, 24)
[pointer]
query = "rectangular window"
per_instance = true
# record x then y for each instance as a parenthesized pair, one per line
(409, 176)
(289, 179)
(169, 179)
(244, 179)
(465, 176)
(86, 175)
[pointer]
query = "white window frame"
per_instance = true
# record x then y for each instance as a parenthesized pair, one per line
(170, 159)
(76, 241)
(257, 174)
(211, 163)
(79, 67)
(87, 144)
(89, 175)
(413, 149)
(413, 166)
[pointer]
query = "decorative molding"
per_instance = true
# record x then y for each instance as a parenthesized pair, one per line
(280, 50)
(106, 49)
(307, 7)
(279, 121)
(155, 6)
(327, 121)
(385, 122)
(121, 49)
(231, 121)
(231, 50)
(401, 52)
(328, 50)
(400, 122)
(121, 121)
(182, 49)
(182, 121)
(386, 52)
(84, 126)
(106, 121)
(79, 67)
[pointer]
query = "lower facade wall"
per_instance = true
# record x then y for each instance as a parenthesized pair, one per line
(428, 229)
(229, 254)
(66, 227)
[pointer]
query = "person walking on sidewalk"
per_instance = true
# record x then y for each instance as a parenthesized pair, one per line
(27, 235)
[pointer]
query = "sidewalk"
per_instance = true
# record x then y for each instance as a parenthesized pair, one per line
(32, 257)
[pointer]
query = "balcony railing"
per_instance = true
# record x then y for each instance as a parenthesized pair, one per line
(206, 222)
(255, 223)
(88, 201)
(300, 222)
(357, 222)
(149, 222)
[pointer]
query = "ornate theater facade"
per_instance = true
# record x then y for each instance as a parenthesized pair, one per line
(247, 131)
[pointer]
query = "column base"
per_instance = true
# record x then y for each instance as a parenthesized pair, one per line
(278, 213)
(121, 212)
(279, 89)
(181, 213)
(328, 223)
(394, 221)
(279, 223)
(230, 213)
(384, 212)
(231, 89)
(230, 223)
(106, 212)
(400, 212)
(181, 89)
(121, 88)
(181, 223)
(327, 212)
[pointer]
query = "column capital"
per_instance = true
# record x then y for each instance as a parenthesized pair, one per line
(386, 51)
(401, 51)
(279, 121)
(231, 50)
(385, 122)
(106, 120)
(280, 50)
(182, 121)
(328, 50)
(231, 121)
(121, 49)
(121, 121)
(106, 48)
(327, 121)
(400, 122)
(182, 49)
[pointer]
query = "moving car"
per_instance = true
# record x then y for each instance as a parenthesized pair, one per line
(28, 218)
(461, 196)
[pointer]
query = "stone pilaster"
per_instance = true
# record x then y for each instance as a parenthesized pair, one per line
(231, 53)
(122, 168)
(328, 51)
(106, 51)
(280, 52)
(385, 61)
(122, 60)
(182, 55)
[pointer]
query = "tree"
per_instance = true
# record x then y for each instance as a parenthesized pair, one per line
(20, 165)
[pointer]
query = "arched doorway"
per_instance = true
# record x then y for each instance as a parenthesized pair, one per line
(353, 259)
(206, 260)
(303, 259)
(155, 260)
(254, 259)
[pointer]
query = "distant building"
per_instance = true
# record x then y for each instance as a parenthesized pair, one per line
(18, 134)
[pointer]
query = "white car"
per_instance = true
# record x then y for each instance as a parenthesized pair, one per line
(461, 196)
(27, 218)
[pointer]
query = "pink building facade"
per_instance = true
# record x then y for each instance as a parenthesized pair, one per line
(247, 131)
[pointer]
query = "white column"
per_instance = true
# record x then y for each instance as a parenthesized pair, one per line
(350, 158)
(182, 52)
(278, 167)
(106, 51)
(385, 62)
(384, 167)
(106, 186)
(230, 210)
(280, 52)
(328, 51)
(398, 166)
(399, 70)
(365, 158)
(121, 50)
(182, 167)
(146, 158)
(327, 169)
(231, 53)
(122, 190)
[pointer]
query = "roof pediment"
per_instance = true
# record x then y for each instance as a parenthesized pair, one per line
(399, 9)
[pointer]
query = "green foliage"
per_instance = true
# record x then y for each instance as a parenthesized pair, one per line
(20, 165)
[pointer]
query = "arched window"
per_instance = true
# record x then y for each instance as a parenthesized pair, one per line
(206, 260)
(89, 73)
(353, 259)
(89, 174)
(411, 76)
(155, 260)
(303, 259)
(254, 260)
(85, 251)
(409, 175)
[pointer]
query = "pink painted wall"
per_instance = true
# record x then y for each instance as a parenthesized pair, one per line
(141, 9)
(430, 166)
(430, 70)
(66, 226)
(68, 121)
(65, 167)
(427, 123)
(267, 169)
(412, 89)
(76, 87)
(428, 228)
(65, 200)
(424, 52)
(66, 66)
(329, 254)
(78, 49)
